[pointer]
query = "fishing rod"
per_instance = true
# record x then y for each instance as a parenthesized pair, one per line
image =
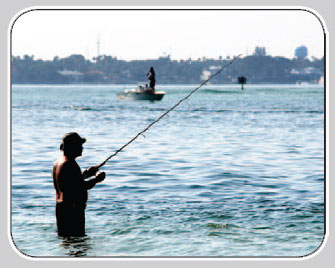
(164, 114)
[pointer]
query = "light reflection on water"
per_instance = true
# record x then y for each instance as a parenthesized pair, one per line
(224, 175)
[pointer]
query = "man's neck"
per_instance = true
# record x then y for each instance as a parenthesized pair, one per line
(69, 157)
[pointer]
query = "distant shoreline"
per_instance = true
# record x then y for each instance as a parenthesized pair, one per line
(257, 69)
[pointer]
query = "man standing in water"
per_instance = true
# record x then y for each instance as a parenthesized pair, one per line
(71, 187)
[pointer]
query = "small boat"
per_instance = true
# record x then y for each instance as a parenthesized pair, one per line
(141, 92)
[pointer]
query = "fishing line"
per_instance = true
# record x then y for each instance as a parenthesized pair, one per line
(164, 114)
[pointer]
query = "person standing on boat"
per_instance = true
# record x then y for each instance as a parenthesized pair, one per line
(152, 79)
(71, 187)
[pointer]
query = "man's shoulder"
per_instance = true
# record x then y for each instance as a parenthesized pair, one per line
(65, 163)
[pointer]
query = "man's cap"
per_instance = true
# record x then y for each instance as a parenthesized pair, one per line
(73, 138)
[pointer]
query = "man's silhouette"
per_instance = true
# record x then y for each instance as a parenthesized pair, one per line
(71, 187)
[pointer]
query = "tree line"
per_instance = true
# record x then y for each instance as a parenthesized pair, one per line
(257, 68)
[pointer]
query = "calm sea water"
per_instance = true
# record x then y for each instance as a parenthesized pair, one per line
(225, 174)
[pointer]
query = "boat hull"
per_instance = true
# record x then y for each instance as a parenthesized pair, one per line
(141, 95)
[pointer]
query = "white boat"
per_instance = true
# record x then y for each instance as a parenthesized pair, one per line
(141, 92)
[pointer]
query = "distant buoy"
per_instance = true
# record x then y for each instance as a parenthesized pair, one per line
(242, 80)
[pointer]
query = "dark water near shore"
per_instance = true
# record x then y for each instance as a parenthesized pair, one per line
(226, 174)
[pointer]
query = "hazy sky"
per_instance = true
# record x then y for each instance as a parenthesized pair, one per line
(149, 34)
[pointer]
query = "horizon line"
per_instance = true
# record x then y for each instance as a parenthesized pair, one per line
(311, 57)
